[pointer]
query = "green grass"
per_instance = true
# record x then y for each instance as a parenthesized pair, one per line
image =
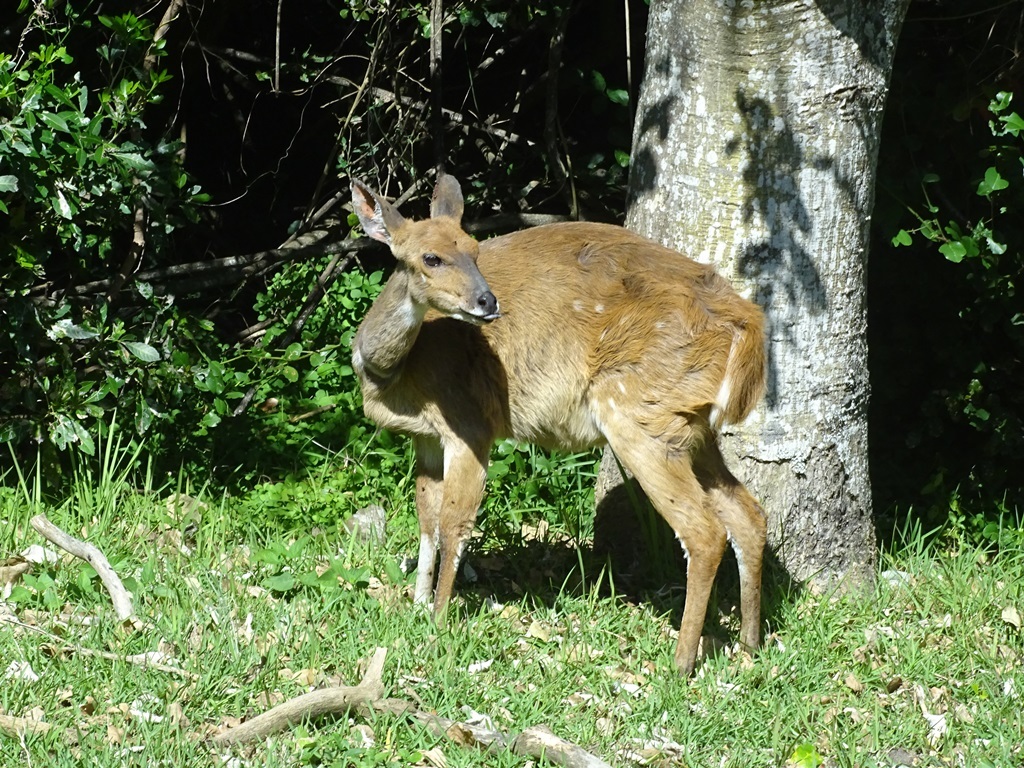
(258, 614)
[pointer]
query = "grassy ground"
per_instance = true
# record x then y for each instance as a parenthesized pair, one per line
(924, 670)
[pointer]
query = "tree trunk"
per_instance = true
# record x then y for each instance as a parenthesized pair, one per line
(754, 149)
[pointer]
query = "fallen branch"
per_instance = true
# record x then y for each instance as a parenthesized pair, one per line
(147, 660)
(537, 741)
(88, 552)
(19, 726)
(315, 704)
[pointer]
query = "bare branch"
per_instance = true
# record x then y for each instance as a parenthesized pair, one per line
(148, 660)
(537, 741)
(316, 704)
(19, 726)
(300, 320)
(88, 552)
(436, 81)
(133, 258)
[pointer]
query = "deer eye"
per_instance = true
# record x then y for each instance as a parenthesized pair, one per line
(432, 260)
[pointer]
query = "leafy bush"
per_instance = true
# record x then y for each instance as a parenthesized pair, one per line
(76, 173)
(986, 403)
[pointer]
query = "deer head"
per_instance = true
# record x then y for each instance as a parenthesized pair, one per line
(437, 255)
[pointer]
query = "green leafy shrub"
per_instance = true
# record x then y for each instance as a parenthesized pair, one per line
(986, 404)
(76, 168)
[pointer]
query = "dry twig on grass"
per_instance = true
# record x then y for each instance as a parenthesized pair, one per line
(322, 703)
(88, 552)
(149, 660)
(536, 742)
(19, 726)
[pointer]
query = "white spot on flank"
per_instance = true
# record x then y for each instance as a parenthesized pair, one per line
(577, 305)
(622, 388)
(612, 406)
(599, 308)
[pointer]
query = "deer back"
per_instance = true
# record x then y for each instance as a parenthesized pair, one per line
(593, 316)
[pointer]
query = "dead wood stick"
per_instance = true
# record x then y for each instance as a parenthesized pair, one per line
(327, 701)
(19, 726)
(139, 659)
(462, 733)
(537, 741)
(88, 552)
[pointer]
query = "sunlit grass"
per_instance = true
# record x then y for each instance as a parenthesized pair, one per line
(926, 665)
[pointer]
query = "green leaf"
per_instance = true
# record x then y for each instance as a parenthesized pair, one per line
(995, 246)
(953, 250)
(598, 81)
(56, 122)
(141, 350)
(1014, 123)
(290, 373)
(65, 329)
(61, 205)
(902, 238)
(134, 160)
(66, 430)
(806, 756)
(622, 158)
(1000, 102)
(992, 182)
(618, 96)
(84, 580)
(282, 582)
(8, 183)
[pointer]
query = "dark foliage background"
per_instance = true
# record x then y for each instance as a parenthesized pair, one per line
(169, 208)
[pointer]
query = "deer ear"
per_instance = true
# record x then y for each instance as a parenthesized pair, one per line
(447, 198)
(379, 219)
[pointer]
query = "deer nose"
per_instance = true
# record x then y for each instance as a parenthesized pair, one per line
(487, 304)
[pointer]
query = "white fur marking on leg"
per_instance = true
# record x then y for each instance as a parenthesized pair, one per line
(686, 551)
(425, 569)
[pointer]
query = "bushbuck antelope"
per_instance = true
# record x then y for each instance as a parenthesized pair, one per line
(569, 336)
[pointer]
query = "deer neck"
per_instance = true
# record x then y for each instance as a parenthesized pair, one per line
(388, 331)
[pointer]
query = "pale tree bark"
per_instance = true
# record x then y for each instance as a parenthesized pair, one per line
(754, 149)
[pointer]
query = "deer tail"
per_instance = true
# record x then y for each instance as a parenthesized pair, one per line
(744, 380)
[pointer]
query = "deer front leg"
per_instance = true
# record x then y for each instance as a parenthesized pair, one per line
(429, 487)
(464, 478)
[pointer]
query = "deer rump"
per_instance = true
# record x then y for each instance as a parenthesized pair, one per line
(569, 336)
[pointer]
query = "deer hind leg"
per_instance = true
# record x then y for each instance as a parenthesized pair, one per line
(668, 479)
(465, 473)
(745, 522)
(429, 485)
